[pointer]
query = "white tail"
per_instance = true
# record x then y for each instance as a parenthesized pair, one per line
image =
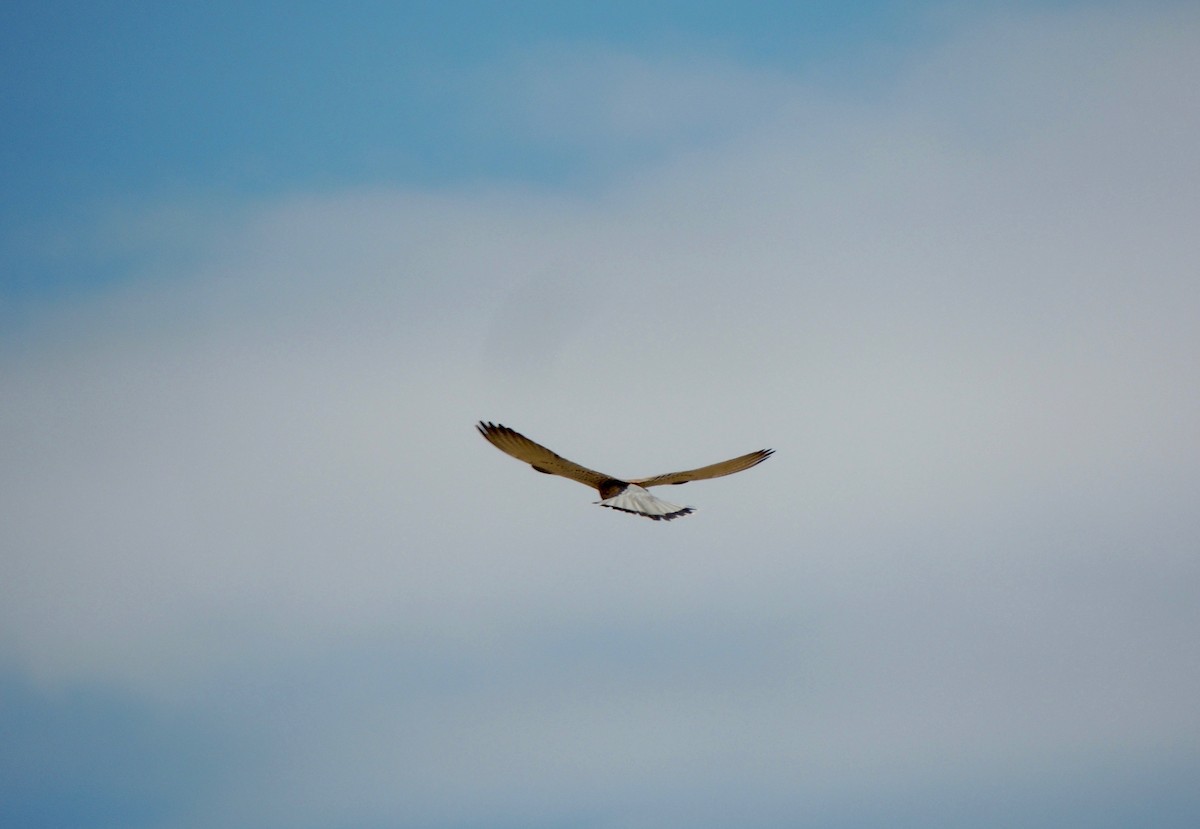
(639, 501)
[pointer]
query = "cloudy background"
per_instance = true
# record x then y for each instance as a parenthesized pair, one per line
(264, 267)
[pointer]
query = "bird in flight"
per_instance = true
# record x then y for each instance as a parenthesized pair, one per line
(626, 495)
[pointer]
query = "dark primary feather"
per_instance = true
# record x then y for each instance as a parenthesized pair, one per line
(539, 457)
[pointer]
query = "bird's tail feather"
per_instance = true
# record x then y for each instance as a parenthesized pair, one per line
(639, 501)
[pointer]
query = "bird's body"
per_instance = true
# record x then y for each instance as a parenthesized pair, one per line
(627, 495)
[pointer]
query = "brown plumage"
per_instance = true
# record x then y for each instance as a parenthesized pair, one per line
(625, 494)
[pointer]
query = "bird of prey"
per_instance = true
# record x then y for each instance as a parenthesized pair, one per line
(626, 495)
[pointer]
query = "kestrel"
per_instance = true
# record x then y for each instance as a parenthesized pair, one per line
(616, 493)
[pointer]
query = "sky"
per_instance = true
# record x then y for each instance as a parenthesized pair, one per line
(263, 266)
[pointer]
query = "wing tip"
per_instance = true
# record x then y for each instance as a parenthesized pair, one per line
(490, 430)
(498, 434)
(758, 457)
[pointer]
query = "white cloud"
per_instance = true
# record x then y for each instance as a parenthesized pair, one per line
(254, 491)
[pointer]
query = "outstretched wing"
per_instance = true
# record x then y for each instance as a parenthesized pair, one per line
(538, 456)
(715, 470)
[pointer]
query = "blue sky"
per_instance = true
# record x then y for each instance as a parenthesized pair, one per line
(270, 94)
(120, 102)
(264, 266)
